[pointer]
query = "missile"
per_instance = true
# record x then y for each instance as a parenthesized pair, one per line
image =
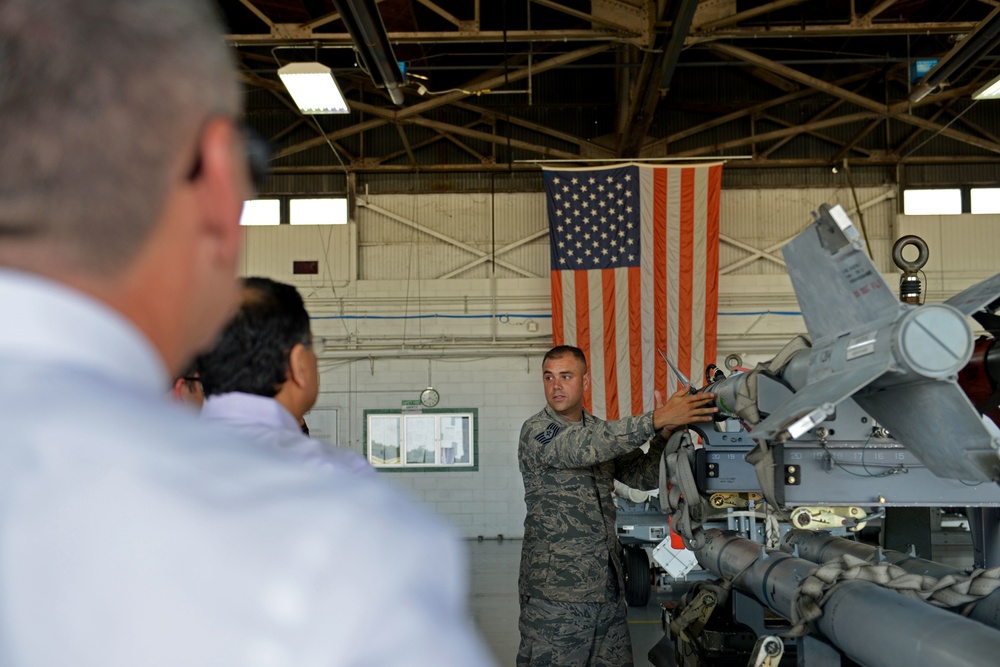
(871, 625)
(898, 361)
(822, 547)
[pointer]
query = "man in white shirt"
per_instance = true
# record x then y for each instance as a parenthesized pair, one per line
(131, 533)
(261, 377)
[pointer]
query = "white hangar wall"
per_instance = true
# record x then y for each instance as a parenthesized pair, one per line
(405, 297)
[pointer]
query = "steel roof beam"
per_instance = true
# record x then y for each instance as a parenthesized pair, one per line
(656, 73)
(834, 30)
(778, 134)
(748, 14)
(293, 35)
(897, 111)
(651, 148)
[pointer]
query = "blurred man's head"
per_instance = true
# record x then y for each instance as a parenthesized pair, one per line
(122, 165)
(266, 349)
(565, 378)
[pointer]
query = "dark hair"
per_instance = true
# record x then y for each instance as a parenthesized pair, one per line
(251, 354)
(560, 351)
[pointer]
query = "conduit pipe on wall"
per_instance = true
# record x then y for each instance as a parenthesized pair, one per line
(765, 344)
(464, 353)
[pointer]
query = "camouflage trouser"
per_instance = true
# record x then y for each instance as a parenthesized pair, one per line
(573, 634)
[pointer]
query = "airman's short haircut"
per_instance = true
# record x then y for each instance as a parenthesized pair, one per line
(560, 351)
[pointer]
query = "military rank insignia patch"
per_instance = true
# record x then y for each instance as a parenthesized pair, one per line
(550, 432)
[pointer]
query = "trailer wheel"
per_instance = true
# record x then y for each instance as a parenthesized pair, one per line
(638, 577)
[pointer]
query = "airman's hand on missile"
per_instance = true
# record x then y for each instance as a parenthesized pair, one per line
(683, 408)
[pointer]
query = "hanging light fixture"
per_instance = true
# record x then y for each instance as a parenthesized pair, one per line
(313, 88)
(990, 91)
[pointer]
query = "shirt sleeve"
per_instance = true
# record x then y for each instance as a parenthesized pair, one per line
(639, 469)
(545, 443)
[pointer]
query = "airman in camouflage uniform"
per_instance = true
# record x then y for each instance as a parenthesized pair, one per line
(571, 580)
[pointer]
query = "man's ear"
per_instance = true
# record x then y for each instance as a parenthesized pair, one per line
(586, 380)
(221, 186)
(178, 386)
(298, 359)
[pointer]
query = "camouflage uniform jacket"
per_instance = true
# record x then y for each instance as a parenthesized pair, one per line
(569, 471)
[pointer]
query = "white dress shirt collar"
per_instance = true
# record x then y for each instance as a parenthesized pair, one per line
(249, 409)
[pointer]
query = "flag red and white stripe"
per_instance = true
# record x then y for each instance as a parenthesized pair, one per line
(635, 269)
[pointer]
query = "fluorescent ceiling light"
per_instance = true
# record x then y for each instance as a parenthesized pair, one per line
(990, 91)
(313, 88)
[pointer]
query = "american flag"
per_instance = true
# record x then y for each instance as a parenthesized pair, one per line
(635, 269)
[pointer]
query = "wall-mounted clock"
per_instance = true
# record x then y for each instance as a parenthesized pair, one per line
(429, 397)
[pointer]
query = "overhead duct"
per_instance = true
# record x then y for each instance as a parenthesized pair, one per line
(979, 43)
(371, 43)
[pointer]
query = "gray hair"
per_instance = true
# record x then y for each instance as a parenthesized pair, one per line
(99, 101)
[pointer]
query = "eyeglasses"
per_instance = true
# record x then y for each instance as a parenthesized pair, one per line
(258, 153)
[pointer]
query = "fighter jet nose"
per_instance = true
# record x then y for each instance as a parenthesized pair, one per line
(934, 341)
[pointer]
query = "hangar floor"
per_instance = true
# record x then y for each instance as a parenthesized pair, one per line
(494, 607)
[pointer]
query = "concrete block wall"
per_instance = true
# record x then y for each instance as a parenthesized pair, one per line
(504, 390)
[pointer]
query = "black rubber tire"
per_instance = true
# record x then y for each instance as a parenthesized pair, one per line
(638, 577)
